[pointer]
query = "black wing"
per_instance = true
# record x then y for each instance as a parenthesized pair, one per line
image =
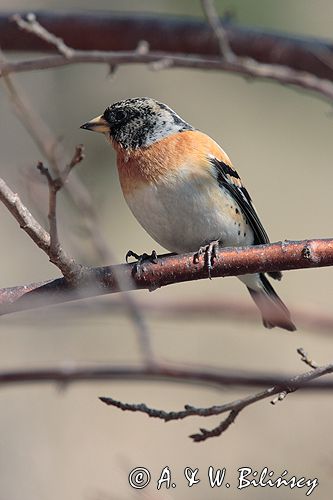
(228, 178)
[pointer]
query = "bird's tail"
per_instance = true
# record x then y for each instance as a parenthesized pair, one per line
(274, 312)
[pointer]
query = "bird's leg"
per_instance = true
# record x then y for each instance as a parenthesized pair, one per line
(141, 259)
(210, 253)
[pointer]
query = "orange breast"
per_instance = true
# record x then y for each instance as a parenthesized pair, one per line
(147, 165)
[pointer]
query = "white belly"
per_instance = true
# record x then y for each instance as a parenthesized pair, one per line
(185, 213)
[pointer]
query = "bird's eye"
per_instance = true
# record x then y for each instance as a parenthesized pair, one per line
(119, 115)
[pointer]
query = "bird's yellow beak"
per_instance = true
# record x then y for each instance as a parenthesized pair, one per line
(98, 124)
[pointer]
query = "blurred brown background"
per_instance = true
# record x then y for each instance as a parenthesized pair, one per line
(67, 444)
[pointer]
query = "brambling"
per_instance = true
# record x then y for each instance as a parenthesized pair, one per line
(183, 189)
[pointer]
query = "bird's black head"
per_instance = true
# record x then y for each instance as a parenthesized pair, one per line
(137, 122)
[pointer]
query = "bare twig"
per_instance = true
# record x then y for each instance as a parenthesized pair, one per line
(280, 74)
(209, 9)
(54, 187)
(37, 233)
(305, 358)
(218, 430)
(233, 408)
(31, 25)
(55, 184)
(25, 219)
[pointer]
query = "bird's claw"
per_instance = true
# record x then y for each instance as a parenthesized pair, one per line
(130, 253)
(141, 259)
(210, 253)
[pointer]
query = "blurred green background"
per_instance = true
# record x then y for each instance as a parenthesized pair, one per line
(66, 443)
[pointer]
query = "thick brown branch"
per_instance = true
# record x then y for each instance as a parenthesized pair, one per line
(176, 269)
(104, 31)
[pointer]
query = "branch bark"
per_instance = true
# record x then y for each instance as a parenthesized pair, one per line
(162, 60)
(172, 269)
(240, 65)
(104, 31)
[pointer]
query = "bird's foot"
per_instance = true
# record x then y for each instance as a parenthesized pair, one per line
(210, 253)
(141, 259)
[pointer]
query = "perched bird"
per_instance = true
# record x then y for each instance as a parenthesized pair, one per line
(182, 188)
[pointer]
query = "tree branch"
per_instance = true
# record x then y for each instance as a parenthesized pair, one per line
(25, 219)
(70, 269)
(234, 408)
(171, 269)
(243, 66)
(31, 25)
(55, 184)
(104, 31)
(196, 375)
(161, 60)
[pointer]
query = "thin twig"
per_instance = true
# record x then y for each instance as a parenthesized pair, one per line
(31, 25)
(25, 219)
(233, 408)
(209, 9)
(54, 187)
(37, 233)
(305, 358)
(216, 431)
(281, 74)
(55, 184)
